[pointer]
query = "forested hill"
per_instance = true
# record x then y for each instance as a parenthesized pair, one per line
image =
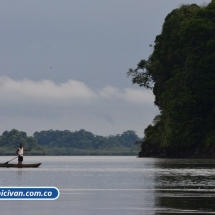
(181, 73)
(69, 143)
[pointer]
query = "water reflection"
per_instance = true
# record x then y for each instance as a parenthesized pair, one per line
(19, 172)
(185, 186)
(115, 185)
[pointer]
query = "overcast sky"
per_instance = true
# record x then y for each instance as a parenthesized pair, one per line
(63, 63)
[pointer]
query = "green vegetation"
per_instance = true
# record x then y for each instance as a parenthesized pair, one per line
(10, 140)
(69, 143)
(181, 73)
(85, 143)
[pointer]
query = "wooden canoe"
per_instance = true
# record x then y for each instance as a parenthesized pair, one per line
(33, 165)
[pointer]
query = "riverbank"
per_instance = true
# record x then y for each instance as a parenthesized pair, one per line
(177, 152)
(68, 151)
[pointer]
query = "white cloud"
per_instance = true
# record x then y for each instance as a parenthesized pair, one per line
(41, 105)
(44, 89)
(131, 95)
(109, 92)
(139, 96)
(72, 90)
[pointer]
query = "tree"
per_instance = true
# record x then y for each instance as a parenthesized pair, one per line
(181, 73)
(10, 141)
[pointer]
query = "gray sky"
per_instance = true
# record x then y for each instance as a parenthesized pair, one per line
(63, 63)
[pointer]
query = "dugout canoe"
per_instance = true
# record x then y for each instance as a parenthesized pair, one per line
(33, 165)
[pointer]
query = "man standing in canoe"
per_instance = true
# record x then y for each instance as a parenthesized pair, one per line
(20, 151)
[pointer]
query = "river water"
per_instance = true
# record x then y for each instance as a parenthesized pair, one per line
(112, 185)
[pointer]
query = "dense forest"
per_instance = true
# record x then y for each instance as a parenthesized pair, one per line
(181, 73)
(69, 143)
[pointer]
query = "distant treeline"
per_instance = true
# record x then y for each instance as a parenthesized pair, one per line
(69, 143)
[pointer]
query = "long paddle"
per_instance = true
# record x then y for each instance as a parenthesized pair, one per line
(14, 158)
(11, 160)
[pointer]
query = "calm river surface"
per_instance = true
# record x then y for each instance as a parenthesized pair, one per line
(114, 186)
